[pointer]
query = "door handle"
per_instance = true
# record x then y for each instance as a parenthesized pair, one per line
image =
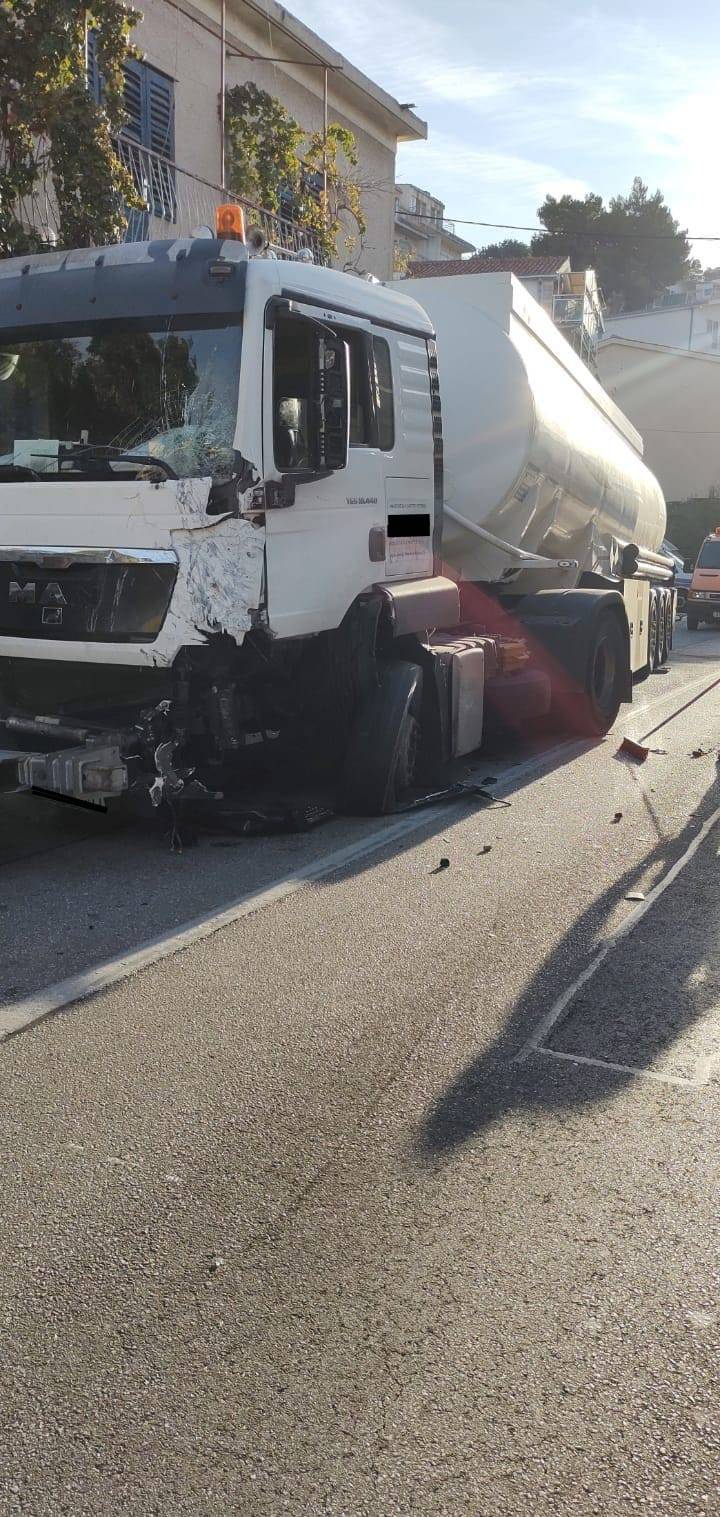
(376, 545)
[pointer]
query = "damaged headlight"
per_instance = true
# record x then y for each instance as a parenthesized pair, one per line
(134, 607)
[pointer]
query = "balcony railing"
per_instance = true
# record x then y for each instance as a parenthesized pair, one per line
(177, 201)
(578, 311)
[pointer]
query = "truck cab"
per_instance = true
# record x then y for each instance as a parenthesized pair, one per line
(215, 471)
(703, 603)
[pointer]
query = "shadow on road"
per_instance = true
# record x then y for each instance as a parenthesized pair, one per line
(651, 991)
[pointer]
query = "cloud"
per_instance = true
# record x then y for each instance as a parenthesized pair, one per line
(417, 57)
(462, 174)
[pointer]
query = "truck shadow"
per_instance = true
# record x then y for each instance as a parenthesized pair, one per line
(646, 1009)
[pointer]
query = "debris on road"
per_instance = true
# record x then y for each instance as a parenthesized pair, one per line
(618, 816)
(633, 750)
(635, 895)
(461, 790)
(486, 848)
(444, 864)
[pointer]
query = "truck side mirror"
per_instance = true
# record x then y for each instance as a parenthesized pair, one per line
(332, 401)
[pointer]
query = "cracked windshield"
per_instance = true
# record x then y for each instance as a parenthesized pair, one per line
(168, 395)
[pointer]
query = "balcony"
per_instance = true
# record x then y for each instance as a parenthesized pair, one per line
(176, 202)
(580, 319)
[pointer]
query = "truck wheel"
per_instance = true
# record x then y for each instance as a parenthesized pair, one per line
(382, 754)
(600, 702)
(663, 628)
(692, 622)
(653, 631)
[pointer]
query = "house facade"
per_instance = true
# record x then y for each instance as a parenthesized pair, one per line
(194, 50)
(691, 325)
(421, 231)
(672, 396)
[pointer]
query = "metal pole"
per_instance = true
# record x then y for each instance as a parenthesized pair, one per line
(223, 28)
(325, 138)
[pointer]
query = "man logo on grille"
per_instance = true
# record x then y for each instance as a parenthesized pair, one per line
(26, 595)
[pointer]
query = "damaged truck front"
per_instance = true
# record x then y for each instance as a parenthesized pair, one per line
(186, 593)
(131, 552)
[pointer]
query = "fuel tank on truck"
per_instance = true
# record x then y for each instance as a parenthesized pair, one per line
(535, 451)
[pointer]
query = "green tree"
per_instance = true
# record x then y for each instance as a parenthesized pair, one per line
(510, 247)
(56, 144)
(262, 141)
(271, 161)
(335, 157)
(634, 243)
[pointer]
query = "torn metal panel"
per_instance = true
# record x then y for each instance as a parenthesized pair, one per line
(219, 583)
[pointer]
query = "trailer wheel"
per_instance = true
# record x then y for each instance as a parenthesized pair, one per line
(602, 697)
(663, 628)
(382, 755)
(653, 631)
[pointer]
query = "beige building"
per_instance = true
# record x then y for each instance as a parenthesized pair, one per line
(421, 231)
(690, 324)
(672, 396)
(173, 141)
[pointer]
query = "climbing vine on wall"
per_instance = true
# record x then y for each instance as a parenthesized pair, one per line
(272, 161)
(57, 162)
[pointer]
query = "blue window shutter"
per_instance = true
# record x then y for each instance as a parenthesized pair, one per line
(133, 95)
(150, 122)
(94, 77)
(160, 113)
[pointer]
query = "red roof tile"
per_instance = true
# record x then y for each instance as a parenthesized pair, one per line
(439, 268)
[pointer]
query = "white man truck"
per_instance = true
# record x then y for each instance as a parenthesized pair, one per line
(249, 505)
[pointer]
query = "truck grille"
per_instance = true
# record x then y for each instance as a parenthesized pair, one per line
(57, 597)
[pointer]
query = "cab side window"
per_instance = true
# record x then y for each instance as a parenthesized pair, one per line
(384, 407)
(360, 392)
(293, 369)
(372, 419)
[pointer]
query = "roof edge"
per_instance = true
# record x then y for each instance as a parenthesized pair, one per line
(413, 128)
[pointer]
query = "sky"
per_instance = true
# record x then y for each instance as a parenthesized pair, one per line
(525, 98)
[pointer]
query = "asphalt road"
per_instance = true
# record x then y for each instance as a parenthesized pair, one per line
(399, 1192)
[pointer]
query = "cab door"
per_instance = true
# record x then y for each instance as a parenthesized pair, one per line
(372, 520)
(326, 546)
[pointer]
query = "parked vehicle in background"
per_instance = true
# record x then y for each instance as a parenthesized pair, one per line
(704, 593)
(683, 576)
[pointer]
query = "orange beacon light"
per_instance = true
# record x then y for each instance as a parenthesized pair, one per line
(230, 222)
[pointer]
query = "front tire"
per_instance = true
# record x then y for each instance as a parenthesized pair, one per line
(382, 754)
(600, 702)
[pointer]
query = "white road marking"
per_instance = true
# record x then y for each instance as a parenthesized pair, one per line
(535, 1044)
(626, 1069)
(16, 1016)
(19, 1015)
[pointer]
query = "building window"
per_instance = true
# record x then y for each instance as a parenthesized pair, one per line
(146, 143)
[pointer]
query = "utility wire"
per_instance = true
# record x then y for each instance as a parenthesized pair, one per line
(512, 226)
